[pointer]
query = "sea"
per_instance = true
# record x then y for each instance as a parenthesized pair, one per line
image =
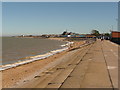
(17, 51)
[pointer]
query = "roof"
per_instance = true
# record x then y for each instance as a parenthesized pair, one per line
(115, 31)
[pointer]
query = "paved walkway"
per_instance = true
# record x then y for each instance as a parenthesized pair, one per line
(110, 51)
(93, 66)
(98, 68)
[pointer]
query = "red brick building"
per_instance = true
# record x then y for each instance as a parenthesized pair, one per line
(115, 34)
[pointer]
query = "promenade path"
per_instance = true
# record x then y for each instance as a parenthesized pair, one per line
(92, 66)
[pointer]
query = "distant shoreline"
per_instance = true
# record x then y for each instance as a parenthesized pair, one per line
(59, 39)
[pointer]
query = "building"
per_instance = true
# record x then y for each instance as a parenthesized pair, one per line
(115, 36)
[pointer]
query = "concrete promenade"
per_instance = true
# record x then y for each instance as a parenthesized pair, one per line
(92, 66)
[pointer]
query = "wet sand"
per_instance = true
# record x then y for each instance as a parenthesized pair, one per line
(24, 73)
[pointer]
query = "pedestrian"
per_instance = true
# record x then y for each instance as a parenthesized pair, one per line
(101, 38)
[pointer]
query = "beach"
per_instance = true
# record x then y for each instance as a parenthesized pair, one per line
(59, 45)
(21, 74)
(59, 39)
(88, 65)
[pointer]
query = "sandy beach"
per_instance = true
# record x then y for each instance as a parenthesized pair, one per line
(59, 39)
(21, 74)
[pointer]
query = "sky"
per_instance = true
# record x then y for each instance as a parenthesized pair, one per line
(38, 18)
(60, 0)
(0, 19)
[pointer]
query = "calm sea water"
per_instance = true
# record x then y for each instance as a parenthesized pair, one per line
(15, 49)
